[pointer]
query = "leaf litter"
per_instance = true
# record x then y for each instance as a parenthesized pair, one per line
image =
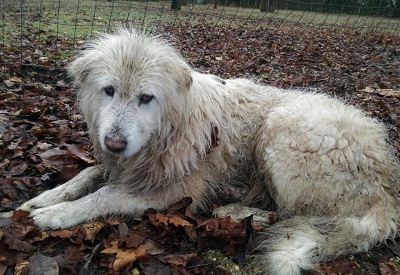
(44, 143)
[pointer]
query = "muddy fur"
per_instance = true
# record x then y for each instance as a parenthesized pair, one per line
(163, 131)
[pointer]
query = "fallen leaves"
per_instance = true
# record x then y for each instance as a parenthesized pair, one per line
(383, 92)
(172, 217)
(13, 244)
(160, 239)
(389, 268)
(41, 145)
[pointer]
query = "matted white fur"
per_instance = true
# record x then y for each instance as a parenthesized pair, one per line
(163, 132)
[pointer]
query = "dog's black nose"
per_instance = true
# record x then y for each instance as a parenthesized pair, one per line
(115, 143)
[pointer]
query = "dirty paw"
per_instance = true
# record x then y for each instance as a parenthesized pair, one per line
(57, 216)
(28, 206)
(50, 197)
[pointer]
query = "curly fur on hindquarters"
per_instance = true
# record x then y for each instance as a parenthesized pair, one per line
(323, 165)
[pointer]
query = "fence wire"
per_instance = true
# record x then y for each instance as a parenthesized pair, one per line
(40, 36)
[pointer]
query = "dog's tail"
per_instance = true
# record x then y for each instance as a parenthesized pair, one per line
(301, 242)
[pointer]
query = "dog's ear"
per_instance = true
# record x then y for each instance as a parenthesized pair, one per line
(80, 68)
(182, 76)
(186, 80)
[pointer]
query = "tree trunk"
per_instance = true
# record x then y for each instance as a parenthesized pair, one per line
(326, 2)
(264, 5)
(272, 5)
(215, 4)
(268, 5)
(176, 5)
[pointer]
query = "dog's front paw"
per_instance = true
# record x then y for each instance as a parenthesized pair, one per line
(57, 216)
(30, 205)
(47, 198)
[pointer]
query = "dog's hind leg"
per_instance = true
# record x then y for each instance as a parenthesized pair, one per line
(301, 242)
(85, 182)
(334, 181)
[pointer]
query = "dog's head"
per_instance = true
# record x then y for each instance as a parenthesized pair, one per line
(129, 83)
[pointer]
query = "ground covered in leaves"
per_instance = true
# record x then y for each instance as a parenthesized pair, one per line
(43, 143)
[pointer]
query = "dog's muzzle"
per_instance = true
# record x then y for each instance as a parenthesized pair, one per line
(115, 143)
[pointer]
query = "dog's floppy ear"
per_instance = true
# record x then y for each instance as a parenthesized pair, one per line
(186, 80)
(182, 76)
(80, 68)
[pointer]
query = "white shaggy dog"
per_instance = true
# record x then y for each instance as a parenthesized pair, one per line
(163, 132)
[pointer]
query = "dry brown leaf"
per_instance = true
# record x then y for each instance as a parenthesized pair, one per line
(162, 218)
(3, 269)
(132, 240)
(166, 219)
(153, 248)
(72, 255)
(16, 168)
(80, 153)
(182, 260)
(65, 233)
(69, 171)
(90, 230)
(178, 221)
(53, 154)
(41, 236)
(41, 264)
(383, 92)
(389, 268)
(125, 256)
(53, 158)
(21, 268)
(15, 79)
(43, 146)
(225, 226)
(8, 189)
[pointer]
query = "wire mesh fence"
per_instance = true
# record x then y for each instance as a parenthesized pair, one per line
(46, 32)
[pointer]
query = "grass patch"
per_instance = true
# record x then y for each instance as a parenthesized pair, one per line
(82, 18)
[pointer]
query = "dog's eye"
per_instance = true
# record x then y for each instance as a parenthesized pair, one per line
(144, 99)
(109, 90)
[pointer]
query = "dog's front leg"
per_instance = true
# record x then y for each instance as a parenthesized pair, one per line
(86, 181)
(108, 200)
